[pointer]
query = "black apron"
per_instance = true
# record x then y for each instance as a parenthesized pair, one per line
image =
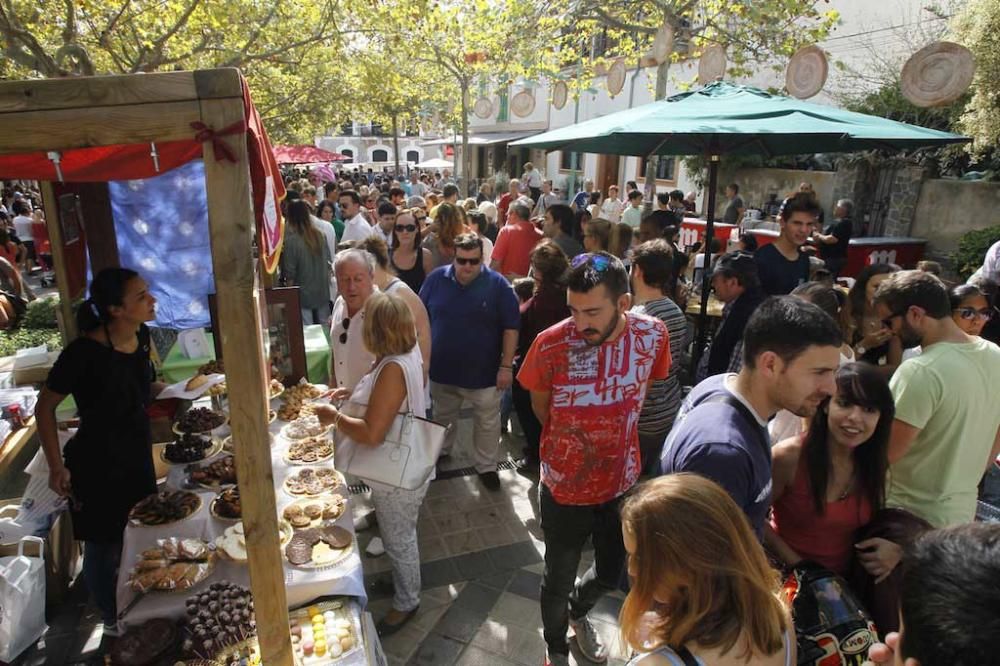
(110, 458)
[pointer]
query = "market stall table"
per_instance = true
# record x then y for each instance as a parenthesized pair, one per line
(177, 366)
(302, 586)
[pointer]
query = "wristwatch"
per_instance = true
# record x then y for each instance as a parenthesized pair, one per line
(860, 350)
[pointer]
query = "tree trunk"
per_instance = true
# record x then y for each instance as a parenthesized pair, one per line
(395, 141)
(463, 182)
(652, 161)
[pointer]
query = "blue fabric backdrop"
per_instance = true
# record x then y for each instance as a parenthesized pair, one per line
(162, 229)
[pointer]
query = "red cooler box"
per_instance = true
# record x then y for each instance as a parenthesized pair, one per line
(693, 230)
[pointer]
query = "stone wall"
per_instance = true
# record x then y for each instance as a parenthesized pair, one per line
(903, 200)
(949, 208)
(756, 185)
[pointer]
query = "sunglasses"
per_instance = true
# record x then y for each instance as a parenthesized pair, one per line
(887, 322)
(969, 314)
(343, 336)
(462, 261)
(598, 262)
(406, 227)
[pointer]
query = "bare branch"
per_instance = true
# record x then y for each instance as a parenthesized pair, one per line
(155, 54)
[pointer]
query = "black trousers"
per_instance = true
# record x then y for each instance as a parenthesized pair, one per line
(526, 417)
(566, 529)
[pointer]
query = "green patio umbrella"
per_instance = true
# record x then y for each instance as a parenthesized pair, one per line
(726, 119)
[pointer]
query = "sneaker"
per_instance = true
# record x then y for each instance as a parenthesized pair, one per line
(375, 547)
(556, 659)
(491, 480)
(588, 640)
(111, 630)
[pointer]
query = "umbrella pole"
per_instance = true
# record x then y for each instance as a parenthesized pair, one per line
(706, 275)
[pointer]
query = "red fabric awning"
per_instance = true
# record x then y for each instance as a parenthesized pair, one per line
(101, 163)
(306, 155)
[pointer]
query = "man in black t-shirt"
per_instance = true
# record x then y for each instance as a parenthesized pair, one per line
(833, 243)
(735, 208)
(782, 265)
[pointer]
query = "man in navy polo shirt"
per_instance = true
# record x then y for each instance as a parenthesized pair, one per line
(791, 350)
(474, 323)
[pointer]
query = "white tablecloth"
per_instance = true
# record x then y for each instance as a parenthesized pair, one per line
(301, 585)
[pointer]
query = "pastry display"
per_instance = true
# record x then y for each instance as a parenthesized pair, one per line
(296, 401)
(318, 546)
(199, 419)
(220, 472)
(189, 448)
(290, 411)
(322, 633)
(165, 507)
(232, 543)
(213, 367)
(221, 617)
(312, 481)
(145, 644)
(309, 450)
(312, 513)
(276, 388)
(303, 427)
(218, 389)
(303, 391)
(227, 505)
(175, 564)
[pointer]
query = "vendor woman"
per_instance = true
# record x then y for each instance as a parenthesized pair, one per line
(107, 466)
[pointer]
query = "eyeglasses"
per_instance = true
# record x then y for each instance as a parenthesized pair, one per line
(970, 314)
(463, 261)
(598, 262)
(887, 322)
(406, 227)
(343, 336)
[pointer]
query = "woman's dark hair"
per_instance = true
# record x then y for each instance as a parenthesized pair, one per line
(580, 218)
(299, 216)
(417, 239)
(478, 219)
(323, 205)
(595, 197)
(856, 297)
(857, 384)
(749, 242)
(551, 263)
(963, 291)
(106, 289)
(830, 300)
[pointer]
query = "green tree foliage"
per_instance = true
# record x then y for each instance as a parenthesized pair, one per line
(288, 51)
(976, 26)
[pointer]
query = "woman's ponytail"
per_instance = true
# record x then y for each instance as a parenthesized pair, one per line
(106, 289)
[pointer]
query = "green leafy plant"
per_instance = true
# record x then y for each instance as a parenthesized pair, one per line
(972, 248)
(22, 338)
(41, 314)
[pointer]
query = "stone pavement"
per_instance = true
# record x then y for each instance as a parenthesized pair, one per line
(481, 555)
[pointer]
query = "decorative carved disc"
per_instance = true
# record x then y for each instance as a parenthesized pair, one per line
(806, 72)
(712, 64)
(560, 93)
(483, 108)
(663, 43)
(937, 74)
(616, 77)
(522, 104)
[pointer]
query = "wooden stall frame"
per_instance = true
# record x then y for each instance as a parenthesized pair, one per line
(57, 114)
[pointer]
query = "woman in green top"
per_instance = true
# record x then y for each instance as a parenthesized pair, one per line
(305, 263)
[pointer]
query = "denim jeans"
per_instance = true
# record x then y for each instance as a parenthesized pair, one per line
(566, 529)
(100, 573)
(529, 422)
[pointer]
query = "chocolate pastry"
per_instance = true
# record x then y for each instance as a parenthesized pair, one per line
(313, 511)
(335, 536)
(299, 549)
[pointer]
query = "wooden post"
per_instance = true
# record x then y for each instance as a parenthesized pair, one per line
(231, 225)
(67, 325)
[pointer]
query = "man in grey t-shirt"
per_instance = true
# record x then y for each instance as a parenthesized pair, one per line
(735, 208)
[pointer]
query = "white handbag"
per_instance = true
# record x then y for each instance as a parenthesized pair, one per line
(22, 600)
(405, 459)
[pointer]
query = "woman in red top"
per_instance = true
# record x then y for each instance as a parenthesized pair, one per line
(830, 481)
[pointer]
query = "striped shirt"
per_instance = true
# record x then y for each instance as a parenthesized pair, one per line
(663, 399)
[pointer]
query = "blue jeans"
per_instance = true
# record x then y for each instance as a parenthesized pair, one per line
(100, 573)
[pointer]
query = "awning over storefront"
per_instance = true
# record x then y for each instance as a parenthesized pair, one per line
(484, 139)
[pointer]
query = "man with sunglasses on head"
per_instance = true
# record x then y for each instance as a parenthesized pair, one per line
(354, 271)
(475, 318)
(588, 376)
(947, 428)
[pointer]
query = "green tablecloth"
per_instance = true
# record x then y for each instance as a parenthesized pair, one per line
(176, 366)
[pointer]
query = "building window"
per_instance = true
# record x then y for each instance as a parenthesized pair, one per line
(569, 160)
(348, 153)
(412, 156)
(665, 168)
(379, 155)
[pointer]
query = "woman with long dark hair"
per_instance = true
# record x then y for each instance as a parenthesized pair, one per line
(872, 341)
(410, 262)
(305, 263)
(830, 481)
(107, 466)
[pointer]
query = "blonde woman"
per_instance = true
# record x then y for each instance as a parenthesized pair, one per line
(702, 589)
(393, 385)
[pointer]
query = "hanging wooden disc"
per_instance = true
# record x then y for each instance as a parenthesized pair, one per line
(560, 93)
(712, 64)
(522, 104)
(483, 108)
(806, 72)
(937, 74)
(616, 77)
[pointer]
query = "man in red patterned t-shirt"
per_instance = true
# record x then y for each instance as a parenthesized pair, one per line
(588, 376)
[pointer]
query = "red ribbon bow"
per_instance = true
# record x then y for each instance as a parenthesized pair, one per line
(206, 133)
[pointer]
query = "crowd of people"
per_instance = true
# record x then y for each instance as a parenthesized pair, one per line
(24, 245)
(849, 428)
